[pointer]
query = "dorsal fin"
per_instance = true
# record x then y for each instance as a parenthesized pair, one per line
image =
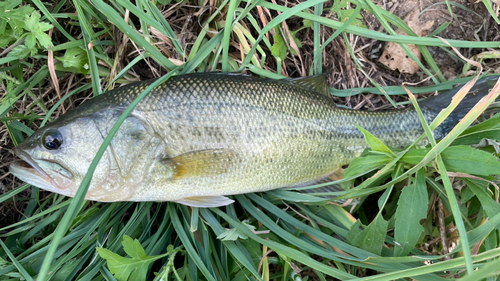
(313, 83)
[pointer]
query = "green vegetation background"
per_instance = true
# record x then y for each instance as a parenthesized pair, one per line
(423, 213)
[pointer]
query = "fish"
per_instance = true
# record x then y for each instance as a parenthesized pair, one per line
(198, 138)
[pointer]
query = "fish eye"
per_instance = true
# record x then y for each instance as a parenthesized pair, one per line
(52, 139)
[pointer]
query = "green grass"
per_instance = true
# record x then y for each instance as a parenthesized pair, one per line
(277, 235)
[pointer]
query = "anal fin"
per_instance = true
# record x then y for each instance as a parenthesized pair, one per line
(327, 187)
(205, 201)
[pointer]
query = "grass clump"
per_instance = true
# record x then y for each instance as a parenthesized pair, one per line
(424, 213)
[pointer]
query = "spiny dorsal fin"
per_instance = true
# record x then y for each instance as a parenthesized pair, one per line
(314, 83)
(200, 163)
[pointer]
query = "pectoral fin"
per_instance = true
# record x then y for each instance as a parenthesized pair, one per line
(206, 201)
(201, 163)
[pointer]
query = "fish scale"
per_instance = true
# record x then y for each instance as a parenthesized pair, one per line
(199, 137)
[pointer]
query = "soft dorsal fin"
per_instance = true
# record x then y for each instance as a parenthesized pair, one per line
(209, 162)
(314, 83)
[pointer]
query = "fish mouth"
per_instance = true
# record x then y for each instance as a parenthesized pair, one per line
(29, 171)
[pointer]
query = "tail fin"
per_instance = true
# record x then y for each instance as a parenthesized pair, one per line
(435, 104)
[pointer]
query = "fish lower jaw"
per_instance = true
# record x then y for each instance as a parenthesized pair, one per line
(27, 173)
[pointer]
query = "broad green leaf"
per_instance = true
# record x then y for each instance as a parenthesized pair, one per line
(9, 97)
(374, 143)
(20, 51)
(21, 127)
(371, 238)
(6, 38)
(307, 22)
(463, 159)
(38, 29)
(77, 58)
(134, 268)
(412, 207)
(489, 129)
(30, 41)
(279, 48)
(364, 163)
(13, 16)
(345, 13)
(234, 234)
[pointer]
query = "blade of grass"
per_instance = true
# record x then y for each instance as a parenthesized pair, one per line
(279, 248)
(317, 54)
(228, 27)
(342, 28)
(168, 31)
(187, 244)
(115, 18)
(142, 20)
(16, 263)
(231, 246)
(52, 20)
(158, 22)
(405, 48)
(202, 53)
(398, 90)
(287, 13)
(455, 208)
(455, 263)
(360, 68)
(489, 269)
(489, 7)
(357, 254)
(8, 195)
(41, 74)
(87, 33)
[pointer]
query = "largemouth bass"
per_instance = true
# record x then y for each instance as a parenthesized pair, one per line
(199, 137)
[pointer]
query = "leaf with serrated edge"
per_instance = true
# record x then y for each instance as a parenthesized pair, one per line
(279, 48)
(233, 234)
(38, 29)
(134, 268)
(75, 57)
(14, 17)
(412, 207)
